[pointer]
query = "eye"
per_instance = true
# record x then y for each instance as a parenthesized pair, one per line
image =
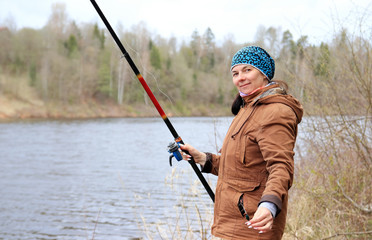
(234, 74)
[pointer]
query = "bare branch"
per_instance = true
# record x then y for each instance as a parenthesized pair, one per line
(365, 209)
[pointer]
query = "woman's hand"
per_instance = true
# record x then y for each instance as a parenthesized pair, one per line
(262, 220)
(199, 157)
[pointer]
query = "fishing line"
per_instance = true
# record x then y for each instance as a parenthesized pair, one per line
(138, 55)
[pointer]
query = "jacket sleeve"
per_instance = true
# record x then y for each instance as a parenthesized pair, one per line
(212, 164)
(276, 139)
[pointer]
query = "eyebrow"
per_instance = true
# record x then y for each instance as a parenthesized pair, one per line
(245, 67)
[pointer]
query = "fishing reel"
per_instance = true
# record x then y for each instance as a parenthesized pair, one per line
(173, 148)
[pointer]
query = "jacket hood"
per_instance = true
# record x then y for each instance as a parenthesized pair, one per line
(276, 94)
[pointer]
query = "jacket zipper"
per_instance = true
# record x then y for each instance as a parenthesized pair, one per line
(250, 114)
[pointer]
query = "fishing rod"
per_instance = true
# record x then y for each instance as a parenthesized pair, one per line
(177, 138)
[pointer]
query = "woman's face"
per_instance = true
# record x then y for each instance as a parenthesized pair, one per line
(247, 78)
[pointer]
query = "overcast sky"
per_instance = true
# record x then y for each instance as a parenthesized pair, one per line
(318, 19)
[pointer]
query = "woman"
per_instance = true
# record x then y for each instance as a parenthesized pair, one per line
(255, 165)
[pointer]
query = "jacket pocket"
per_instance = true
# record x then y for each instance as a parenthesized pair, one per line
(228, 201)
(249, 149)
(251, 197)
(248, 186)
(230, 195)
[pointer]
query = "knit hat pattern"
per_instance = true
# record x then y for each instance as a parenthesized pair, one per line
(256, 57)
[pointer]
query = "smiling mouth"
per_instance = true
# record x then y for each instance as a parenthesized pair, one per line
(244, 85)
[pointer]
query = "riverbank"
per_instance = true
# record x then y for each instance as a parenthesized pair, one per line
(14, 108)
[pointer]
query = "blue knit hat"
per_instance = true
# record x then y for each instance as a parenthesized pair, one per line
(256, 57)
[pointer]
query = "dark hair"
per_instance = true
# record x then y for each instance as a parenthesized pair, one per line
(238, 101)
(237, 104)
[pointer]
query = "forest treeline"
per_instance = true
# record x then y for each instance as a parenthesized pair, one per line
(65, 64)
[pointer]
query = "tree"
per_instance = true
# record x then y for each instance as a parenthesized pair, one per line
(209, 50)
(196, 48)
(71, 46)
(322, 68)
(155, 58)
(271, 36)
(99, 35)
(6, 38)
(58, 20)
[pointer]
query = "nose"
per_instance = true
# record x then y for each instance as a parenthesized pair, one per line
(240, 76)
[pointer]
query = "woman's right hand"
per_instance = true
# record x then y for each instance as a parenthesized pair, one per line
(199, 157)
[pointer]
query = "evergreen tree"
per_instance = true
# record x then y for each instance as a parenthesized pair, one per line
(155, 58)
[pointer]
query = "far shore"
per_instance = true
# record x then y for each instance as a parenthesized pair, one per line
(12, 109)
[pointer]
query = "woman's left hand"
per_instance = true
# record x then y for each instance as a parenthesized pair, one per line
(262, 220)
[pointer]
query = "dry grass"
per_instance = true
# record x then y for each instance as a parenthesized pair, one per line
(331, 196)
(190, 217)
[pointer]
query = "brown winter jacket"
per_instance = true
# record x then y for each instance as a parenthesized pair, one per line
(256, 161)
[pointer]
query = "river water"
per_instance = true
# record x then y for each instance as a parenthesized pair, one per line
(103, 179)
